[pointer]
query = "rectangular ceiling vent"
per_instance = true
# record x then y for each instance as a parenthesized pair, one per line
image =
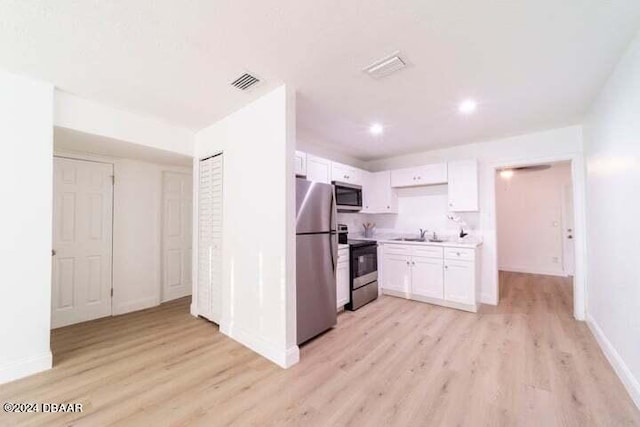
(385, 66)
(245, 82)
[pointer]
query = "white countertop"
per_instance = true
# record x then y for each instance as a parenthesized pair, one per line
(343, 246)
(389, 238)
(466, 243)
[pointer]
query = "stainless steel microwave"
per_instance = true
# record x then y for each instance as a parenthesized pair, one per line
(348, 196)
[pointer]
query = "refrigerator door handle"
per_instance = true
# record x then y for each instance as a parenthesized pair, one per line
(333, 233)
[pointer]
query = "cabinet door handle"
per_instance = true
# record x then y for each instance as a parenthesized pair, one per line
(407, 262)
(458, 253)
(413, 263)
(446, 266)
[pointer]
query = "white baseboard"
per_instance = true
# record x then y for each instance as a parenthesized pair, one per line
(285, 358)
(22, 368)
(488, 299)
(532, 271)
(140, 304)
(436, 301)
(176, 295)
(194, 309)
(624, 373)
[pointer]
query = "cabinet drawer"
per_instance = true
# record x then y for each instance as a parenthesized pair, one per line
(460, 253)
(427, 251)
(392, 249)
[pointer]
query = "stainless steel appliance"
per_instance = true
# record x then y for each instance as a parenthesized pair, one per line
(364, 273)
(316, 258)
(348, 196)
(343, 233)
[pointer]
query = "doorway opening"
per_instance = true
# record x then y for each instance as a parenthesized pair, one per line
(535, 232)
(121, 239)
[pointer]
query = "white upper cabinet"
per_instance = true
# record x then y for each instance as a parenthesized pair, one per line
(378, 188)
(378, 195)
(422, 175)
(463, 186)
(318, 169)
(300, 163)
(348, 174)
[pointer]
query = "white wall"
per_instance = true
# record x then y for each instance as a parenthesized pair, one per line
(137, 234)
(258, 290)
(530, 223)
(612, 149)
(26, 169)
(313, 144)
(73, 112)
(556, 144)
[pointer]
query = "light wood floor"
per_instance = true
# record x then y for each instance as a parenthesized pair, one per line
(394, 362)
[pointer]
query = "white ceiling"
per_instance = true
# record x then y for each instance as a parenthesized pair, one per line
(531, 64)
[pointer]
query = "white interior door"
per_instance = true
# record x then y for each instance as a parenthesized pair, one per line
(568, 231)
(82, 244)
(176, 235)
(210, 238)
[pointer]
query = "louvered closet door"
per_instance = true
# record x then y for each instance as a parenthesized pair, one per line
(210, 238)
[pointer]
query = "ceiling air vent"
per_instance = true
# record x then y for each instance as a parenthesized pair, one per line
(245, 81)
(385, 66)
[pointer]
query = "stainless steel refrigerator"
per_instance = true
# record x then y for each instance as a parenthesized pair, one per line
(316, 258)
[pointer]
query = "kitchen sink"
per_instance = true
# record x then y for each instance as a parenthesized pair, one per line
(410, 239)
(418, 239)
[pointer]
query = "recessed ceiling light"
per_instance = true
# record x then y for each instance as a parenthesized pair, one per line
(376, 129)
(506, 173)
(468, 106)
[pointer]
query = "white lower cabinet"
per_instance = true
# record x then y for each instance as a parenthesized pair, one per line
(458, 277)
(342, 279)
(444, 276)
(397, 272)
(427, 278)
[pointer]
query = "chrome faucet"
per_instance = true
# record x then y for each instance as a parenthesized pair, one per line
(423, 232)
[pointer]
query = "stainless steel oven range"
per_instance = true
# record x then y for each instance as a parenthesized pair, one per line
(364, 273)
